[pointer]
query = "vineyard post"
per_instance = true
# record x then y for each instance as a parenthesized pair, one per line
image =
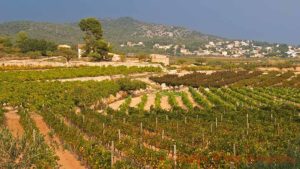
(272, 116)
(175, 156)
(103, 126)
(234, 149)
(156, 123)
(141, 128)
(163, 134)
(112, 154)
(119, 134)
(247, 124)
(124, 120)
(33, 133)
(185, 120)
(216, 122)
(211, 127)
(167, 117)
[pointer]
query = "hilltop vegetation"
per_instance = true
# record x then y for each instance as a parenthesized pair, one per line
(116, 31)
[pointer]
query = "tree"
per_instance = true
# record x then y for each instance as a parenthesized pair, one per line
(68, 54)
(32, 45)
(95, 45)
(21, 38)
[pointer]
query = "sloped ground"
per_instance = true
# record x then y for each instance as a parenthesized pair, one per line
(165, 103)
(135, 101)
(150, 102)
(13, 122)
(67, 160)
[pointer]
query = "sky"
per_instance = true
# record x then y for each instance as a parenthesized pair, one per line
(264, 20)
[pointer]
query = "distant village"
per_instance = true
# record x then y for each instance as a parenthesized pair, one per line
(226, 49)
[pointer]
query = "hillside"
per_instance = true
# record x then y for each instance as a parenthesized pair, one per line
(117, 31)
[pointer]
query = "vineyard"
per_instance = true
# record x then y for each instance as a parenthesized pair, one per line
(216, 121)
(233, 78)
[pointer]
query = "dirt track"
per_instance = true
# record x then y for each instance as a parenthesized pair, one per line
(150, 102)
(67, 160)
(135, 101)
(13, 122)
(165, 103)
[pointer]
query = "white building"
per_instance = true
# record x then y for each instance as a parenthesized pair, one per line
(81, 50)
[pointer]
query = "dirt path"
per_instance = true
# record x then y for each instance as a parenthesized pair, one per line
(180, 102)
(117, 104)
(165, 103)
(150, 102)
(13, 122)
(135, 101)
(67, 160)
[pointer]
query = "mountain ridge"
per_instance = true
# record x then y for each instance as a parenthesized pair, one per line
(117, 31)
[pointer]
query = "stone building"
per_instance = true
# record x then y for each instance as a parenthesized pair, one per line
(156, 58)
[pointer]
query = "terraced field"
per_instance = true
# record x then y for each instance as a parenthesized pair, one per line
(127, 123)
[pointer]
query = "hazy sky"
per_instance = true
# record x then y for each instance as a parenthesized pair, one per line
(268, 20)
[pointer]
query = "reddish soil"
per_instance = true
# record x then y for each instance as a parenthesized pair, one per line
(67, 160)
(13, 122)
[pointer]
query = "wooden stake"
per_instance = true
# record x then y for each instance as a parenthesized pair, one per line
(156, 123)
(211, 128)
(234, 150)
(112, 153)
(193, 141)
(175, 156)
(248, 124)
(103, 130)
(216, 122)
(141, 127)
(185, 120)
(119, 134)
(163, 134)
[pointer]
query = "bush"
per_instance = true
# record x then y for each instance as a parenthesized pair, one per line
(34, 54)
(43, 46)
(129, 85)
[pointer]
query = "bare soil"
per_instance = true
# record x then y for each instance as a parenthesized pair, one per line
(67, 160)
(165, 103)
(116, 104)
(180, 102)
(150, 102)
(13, 122)
(135, 101)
